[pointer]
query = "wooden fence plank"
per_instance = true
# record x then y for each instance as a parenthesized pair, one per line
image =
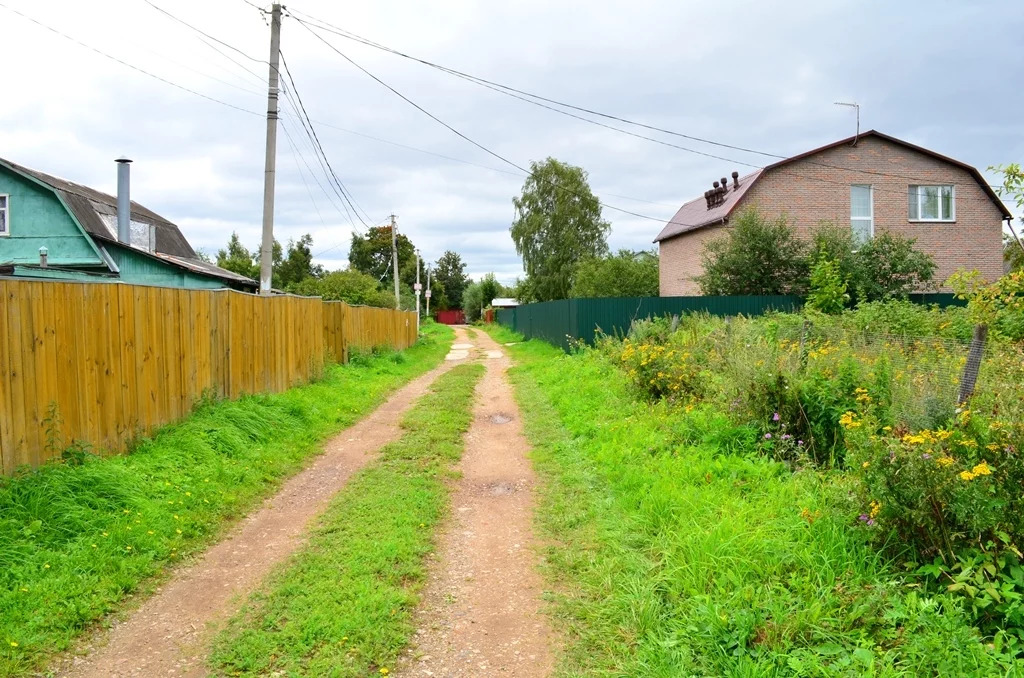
(6, 411)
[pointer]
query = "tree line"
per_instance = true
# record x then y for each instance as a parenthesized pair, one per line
(369, 279)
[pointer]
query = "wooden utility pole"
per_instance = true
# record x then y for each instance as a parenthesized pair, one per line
(394, 259)
(267, 245)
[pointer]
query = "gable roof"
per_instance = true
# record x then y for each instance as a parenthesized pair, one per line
(694, 214)
(97, 213)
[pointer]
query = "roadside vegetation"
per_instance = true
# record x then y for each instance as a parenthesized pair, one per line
(343, 605)
(786, 495)
(78, 537)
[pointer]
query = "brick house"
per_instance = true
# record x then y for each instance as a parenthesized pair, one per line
(874, 182)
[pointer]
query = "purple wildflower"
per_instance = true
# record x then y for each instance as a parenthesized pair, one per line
(767, 436)
(800, 443)
(871, 522)
(926, 456)
(863, 517)
(775, 417)
(786, 436)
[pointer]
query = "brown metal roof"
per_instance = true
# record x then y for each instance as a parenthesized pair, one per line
(90, 206)
(694, 214)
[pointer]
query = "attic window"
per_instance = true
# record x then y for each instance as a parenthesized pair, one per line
(4, 220)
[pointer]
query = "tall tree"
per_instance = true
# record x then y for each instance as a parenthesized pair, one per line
(626, 274)
(297, 263)
(237, 259)
(451, 273)
(558, 224)
(479, 295)
(371, 253)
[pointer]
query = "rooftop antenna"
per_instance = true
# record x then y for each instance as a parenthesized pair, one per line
(857, 107)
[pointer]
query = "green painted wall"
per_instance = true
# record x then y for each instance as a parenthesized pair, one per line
(140, 269)
(38, 218)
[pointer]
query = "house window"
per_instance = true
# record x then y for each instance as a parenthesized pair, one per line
(862, 213)
(4, 219)
(931, 203)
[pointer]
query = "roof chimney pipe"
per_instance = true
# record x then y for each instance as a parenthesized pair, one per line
(735, 180)
(124, 201)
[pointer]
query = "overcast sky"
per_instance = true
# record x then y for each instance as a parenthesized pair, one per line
(760, 75)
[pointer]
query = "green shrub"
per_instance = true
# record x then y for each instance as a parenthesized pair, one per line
(1000, 305)
(828, 289)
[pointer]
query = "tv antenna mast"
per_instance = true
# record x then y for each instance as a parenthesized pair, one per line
(855, 106)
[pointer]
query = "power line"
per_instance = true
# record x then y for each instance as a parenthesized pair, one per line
(201, 32)
(295, 153)
(316, 140)
(125, 63)
(460, 134)
(342, 210)
(515, 165)
(535, 99)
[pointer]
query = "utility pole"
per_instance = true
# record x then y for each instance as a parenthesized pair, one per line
(394, 259)
(267, 245)
(428, 290)
(417, 288)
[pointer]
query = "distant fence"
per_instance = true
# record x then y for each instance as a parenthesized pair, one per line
(113, 361)
(559, 322)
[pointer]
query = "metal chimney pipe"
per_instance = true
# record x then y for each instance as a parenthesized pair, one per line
(124, 200)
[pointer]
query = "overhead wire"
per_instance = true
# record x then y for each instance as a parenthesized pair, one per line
(295, 154)
(346, 194)
(125, 63)
(536, 99)
(557, 185)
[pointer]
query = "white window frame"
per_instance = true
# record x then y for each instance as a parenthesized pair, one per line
(871, 202)
(952, 200)
(6, 209)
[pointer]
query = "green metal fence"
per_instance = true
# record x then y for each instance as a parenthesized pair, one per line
(565, 320)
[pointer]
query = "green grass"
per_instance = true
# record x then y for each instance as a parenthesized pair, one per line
(75, 541)
(673, 551)
(343, 605)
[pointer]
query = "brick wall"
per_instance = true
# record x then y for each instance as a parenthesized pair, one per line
(807, 193)
(679, 261)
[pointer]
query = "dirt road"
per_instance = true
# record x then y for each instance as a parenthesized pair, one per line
(169, 634)
(481, 609)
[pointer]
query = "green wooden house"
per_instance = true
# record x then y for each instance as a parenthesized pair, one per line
(55, 228)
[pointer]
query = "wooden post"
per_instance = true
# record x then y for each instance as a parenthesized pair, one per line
(803, 343)
(970, 375)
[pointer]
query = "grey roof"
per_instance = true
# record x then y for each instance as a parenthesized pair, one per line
(97, 213)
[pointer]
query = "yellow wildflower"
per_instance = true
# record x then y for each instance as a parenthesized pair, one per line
(982, 469)
(875, 508)
(865, 464)
(967, 475)
(849, 420)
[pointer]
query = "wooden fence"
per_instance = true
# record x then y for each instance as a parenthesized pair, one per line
(114, 361)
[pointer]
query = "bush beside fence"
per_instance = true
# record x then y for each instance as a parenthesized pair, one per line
(103, 363)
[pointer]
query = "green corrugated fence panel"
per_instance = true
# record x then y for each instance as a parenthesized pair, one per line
(943, 299)
(565, 320)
